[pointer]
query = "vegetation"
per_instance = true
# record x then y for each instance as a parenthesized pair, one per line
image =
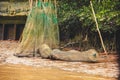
(77, 23)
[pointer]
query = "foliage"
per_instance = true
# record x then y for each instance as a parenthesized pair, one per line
(75, 17)
(107, 13)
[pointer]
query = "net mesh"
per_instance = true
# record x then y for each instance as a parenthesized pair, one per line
(41, 28)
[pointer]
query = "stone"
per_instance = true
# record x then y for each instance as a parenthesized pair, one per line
(74, 55)
(45, 51)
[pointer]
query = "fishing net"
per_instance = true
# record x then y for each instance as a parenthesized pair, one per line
(41, 28)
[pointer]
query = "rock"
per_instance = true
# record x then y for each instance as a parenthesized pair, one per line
(3, 57)
(74, 55)
(24, 54)
(45, 51)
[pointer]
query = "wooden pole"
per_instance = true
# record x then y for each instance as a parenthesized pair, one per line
(36, 2)
(98, 29)
(45, 0)
(3, 28)
(15, 31)
(55, 3)
(30, 3)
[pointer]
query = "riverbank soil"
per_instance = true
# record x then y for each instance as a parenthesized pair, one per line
(35, 68)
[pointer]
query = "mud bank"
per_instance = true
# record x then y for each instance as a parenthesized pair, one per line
(22, 72)
(105, 69)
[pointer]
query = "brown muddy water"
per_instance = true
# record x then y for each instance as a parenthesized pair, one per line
(22, 72)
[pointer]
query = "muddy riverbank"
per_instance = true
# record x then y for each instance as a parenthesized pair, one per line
(104, 69)
(22, 72)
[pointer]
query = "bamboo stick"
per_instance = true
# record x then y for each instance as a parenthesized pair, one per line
(36, 3)
(15, 31)
(3, 30)
(30, 3)
(101, 39)
(55, 3)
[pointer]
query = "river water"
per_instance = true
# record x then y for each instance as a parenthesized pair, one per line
(22, 72)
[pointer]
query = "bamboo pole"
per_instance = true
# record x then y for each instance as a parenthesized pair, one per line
(3, 30)
(15, 31)
(55, 3)
(30, 3)
(101, 39)
(36, 3)
(45, 0)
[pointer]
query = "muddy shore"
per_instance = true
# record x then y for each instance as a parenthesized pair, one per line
(106, 69)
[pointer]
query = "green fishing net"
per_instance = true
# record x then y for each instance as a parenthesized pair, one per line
(41, 28)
